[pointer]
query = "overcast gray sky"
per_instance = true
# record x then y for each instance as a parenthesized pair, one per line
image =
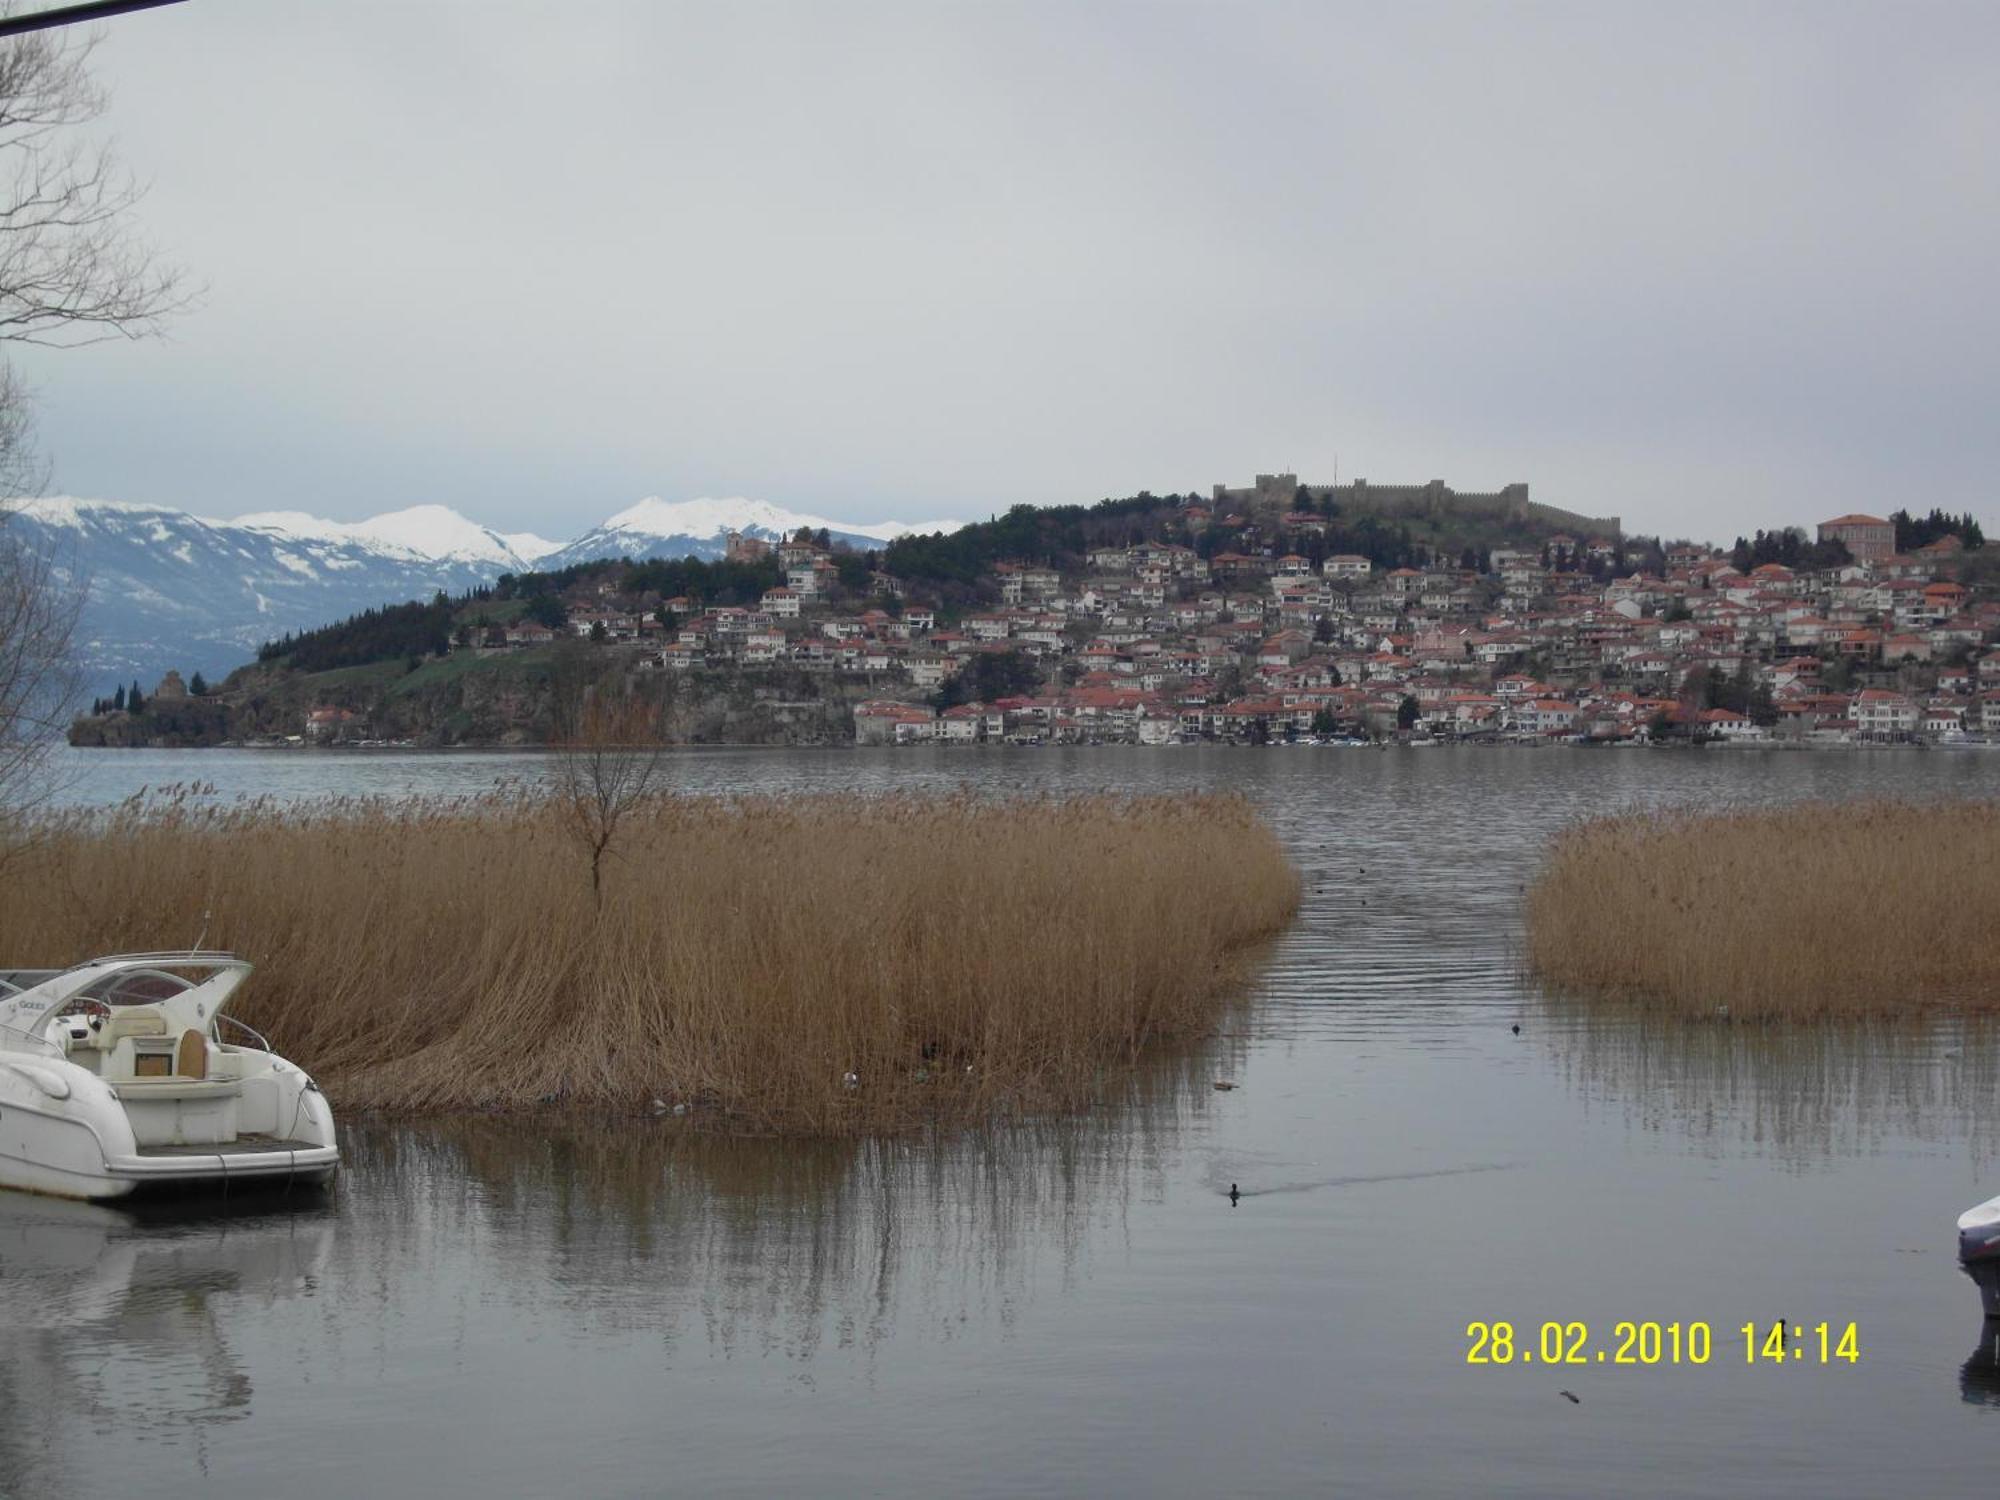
(1708, 267)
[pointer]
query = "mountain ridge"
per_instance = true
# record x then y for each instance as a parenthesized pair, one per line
(168, 588)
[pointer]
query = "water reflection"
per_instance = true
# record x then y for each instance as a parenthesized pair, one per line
(1803, 1093)
(1979, 1376)
(775, 1245)
(116, 1322)
(128, 1338)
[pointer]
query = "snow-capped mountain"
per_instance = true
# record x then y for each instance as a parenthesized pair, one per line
(431, 533)
(169, 589)
(699, 528)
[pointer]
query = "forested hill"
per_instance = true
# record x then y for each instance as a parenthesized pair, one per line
(401, 631)
(1062, 536)
(1059, 536)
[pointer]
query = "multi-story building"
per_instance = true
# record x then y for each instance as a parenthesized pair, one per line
(1867, 538)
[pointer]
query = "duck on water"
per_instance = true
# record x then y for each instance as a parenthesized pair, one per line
(117, 1077)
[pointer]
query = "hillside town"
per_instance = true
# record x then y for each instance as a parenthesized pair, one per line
(1249, 630)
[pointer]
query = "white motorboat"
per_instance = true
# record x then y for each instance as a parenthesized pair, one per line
(1979, 1251)
(123, 1075)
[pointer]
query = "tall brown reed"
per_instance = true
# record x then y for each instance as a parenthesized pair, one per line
(957, 957)
(1872, 908)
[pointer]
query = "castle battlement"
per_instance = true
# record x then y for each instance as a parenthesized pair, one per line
(1436, 498)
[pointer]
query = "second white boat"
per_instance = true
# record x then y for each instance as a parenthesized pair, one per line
(1979, 1251)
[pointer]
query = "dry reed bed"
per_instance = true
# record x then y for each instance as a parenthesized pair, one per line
(1850, 909)
(961, 957)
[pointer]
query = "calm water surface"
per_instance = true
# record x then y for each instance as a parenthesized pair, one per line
(489, 1307)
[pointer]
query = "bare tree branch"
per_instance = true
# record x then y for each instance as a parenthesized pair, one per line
(72, 271)
(40, 598)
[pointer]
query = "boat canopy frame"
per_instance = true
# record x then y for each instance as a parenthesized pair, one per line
(26, 1009)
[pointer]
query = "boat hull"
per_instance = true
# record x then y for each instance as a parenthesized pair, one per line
(64, 1158)
(1985, 1275)
(1979, 1252)
(65, 1134)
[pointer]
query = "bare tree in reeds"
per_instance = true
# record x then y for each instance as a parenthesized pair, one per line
(607, 762)
(828, 965)
(1822, 909)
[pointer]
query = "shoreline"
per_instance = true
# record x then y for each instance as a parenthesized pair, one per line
(1677, 747)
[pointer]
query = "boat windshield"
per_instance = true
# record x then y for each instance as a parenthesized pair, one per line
(135, 987)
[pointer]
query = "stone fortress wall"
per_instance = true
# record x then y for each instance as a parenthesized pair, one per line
(1510, 503)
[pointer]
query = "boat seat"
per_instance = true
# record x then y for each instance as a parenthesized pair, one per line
(176, 1088)
(191, 1055)
(128, 1023)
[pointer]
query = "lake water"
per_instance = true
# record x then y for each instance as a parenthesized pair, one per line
(493, 1307)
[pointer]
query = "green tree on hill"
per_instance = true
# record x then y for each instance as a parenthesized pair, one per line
(373, 635)
(1913, 532)
(1788, 547)
(198, 686)
(853, 569)
(1763, 707)
(990, 675)
(725, 582)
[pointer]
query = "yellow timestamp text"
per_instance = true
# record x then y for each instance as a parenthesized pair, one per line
(1654, 1343)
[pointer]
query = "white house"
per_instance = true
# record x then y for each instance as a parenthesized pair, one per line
(1880, 714)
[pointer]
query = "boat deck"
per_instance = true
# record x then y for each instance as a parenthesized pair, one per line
(246, 1145)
